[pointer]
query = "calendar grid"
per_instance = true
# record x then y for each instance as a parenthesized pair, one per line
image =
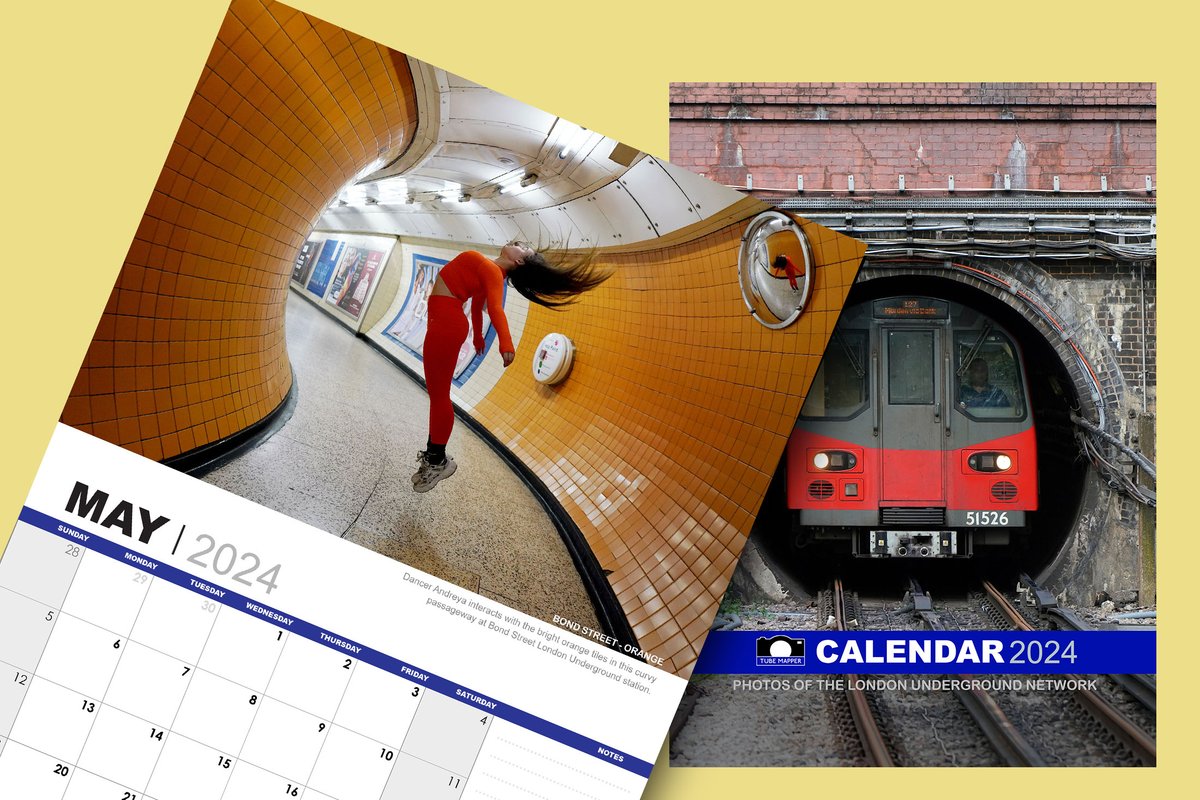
(471, 770)
(258, 706)
(171, 727)
(108, 685)
(77, 769)
(57, 608)
(341, 699)
(226, 599)
(170, 732)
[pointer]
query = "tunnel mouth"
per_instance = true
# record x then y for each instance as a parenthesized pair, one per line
(806, 566)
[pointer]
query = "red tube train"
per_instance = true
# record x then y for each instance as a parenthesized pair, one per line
(916, 438)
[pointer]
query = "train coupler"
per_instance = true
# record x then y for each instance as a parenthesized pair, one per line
(913, 544)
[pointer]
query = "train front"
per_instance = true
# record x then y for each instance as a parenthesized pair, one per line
(916, 439)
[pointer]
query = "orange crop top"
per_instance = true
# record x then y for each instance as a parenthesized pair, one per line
(475, 277)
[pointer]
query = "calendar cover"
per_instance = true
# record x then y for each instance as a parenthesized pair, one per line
(957, 563)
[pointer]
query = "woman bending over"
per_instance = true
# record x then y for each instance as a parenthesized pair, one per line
(551, 278)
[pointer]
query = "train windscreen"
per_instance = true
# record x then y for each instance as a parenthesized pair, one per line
(989, 377)
(839, 389)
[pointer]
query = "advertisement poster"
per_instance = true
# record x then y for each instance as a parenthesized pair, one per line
(331, 252)
(303, 261)
(408, 328)
(360, 287)
(347, 272)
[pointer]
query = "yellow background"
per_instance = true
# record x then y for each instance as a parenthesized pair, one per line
(93, 93)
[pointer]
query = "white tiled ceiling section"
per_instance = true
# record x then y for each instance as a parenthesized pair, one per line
(477, 141)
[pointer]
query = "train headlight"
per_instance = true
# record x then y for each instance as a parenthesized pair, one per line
(834, 460)
(990, 462)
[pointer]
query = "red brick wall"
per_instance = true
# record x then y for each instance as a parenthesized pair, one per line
(977, 132)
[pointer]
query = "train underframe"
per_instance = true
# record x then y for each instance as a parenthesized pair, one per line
(882, 542)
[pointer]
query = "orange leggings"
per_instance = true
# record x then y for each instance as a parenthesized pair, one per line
(446, 330)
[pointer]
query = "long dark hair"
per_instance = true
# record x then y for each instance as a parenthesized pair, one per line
(555, 277)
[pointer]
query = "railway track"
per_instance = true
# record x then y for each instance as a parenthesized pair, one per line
(1013, 748)
(874, 744)
(1140, 688)
(1140, 743)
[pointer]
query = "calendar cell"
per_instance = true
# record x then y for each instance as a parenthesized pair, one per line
(284, 740)
(107, 594)
(27, 626)
(28, 774)
(378, 704)
(447, 733)
(311, 676)
(122, 747)
(188, 770)
(149, 684)
(86, 786)
(38, 566)
(217, 712)
(412, 777)
(249, 782)
(54, 719)
(174, 621)
(351, 766)
(243, 649)
(81, 656)
(14, 682)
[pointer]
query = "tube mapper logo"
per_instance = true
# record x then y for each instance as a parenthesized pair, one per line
(779, 650)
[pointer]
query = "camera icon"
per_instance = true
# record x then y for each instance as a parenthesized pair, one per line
(779, 650)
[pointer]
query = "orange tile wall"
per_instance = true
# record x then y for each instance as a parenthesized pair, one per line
(190, 348)
(663, 439)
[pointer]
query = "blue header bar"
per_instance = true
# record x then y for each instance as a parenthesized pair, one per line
(928, 653)
(335, 641)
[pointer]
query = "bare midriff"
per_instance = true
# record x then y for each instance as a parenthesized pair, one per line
(440, 289)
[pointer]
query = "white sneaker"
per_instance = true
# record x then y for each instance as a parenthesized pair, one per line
(429, 474)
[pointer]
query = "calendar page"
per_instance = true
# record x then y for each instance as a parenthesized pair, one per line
(163, 639)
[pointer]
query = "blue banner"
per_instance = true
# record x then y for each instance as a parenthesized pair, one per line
(928, 653)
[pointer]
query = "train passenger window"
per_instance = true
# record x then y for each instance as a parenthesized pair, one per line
(910, 367)
(839, 389)
(988, 375)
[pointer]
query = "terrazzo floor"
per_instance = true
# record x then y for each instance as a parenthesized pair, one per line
(343, 463)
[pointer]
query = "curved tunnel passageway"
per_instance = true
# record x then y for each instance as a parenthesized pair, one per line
(343, 462)
(190, 348)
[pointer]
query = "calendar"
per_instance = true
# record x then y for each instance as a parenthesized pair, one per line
(165, 640)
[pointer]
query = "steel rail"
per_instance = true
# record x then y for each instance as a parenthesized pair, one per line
(1009, 743)
(1139, 687)
(1141, 744)
(865, 723)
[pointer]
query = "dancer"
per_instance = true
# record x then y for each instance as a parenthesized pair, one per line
(551, 278)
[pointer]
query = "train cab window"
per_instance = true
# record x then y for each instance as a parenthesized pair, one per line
(988, 375)
(910, 367)
(839, 389)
